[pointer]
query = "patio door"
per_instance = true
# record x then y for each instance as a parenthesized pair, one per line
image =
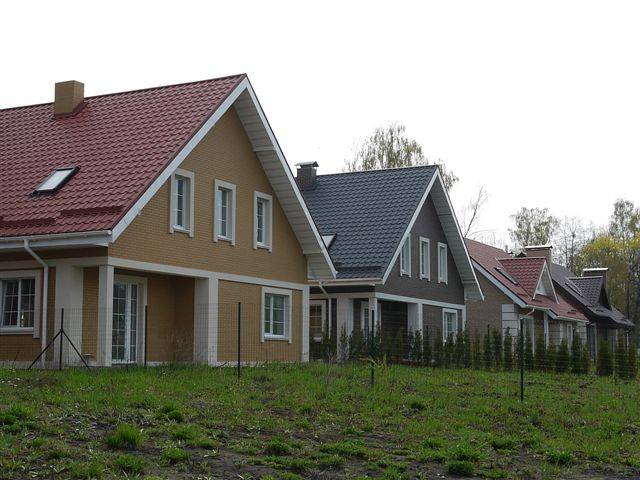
(124, 338)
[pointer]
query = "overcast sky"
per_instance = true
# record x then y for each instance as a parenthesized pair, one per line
(537, 101)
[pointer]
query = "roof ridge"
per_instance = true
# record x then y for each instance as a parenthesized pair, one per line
(379, 170)
(135, 90)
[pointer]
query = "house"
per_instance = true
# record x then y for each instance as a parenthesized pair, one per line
(518, 288)
(146, 217)
(588, 294)
(401, 260)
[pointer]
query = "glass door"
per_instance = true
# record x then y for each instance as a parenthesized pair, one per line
(125, 323)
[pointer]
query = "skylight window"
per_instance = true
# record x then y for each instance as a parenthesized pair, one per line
(56, 180)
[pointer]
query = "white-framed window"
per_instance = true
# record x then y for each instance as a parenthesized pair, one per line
(450, 323)
(19, 301)
(405, 257)
(276, 314)
(224, 221)
(443, 275)
(425, 258)
(262, 220)
(317, 316)
(182, 209)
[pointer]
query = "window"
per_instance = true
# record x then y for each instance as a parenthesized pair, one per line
(225, 212)
(450, 324)
(276, 314)
(405, 257)
(17, 303)
(262, 221)
(56, 180)
(442, 263)
(425, 258)
(182, 202)
(316, 320)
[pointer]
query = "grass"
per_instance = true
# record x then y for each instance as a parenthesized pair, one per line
(326, 421)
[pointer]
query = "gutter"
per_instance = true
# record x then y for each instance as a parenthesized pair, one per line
(45, 292)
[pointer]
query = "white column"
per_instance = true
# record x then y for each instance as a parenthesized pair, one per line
(305, 324)
(105, 318)
(345, 316)
(205, 321)
(69, 288)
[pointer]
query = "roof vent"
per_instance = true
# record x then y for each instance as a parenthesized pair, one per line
(69, 98)
(306, 174)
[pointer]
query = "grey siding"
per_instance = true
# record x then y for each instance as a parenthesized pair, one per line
(432, 319)
(427, 225)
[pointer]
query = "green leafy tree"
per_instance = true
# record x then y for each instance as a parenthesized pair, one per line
(576, 355)
(532, 226)
(541, 354)
(562, 357)
(438, 350)
(507, 347)
(390, 147)
(620, 355)
(604, 361)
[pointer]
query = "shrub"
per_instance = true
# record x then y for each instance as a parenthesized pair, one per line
(174, 455)
(604, 362)
(621, 363)
(562, 357)
(576, 355)
(460, 468)
(131, 464)
(507, 347)
(125, 437)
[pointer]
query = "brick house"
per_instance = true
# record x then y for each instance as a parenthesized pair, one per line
(176, 198)
(401, 260)
(521, 287)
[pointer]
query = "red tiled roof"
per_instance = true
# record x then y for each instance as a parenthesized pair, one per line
(120, 142)
(525, 271)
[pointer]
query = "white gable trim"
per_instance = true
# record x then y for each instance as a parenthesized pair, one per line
(545, 272)
(243, 86)
(467, 258)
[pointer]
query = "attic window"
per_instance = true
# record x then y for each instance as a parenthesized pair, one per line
(56, 180)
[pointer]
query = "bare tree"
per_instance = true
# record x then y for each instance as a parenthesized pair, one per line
(532, 226)
(471, 213)
(569, 239)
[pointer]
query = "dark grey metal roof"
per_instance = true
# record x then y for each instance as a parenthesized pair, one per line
(368, 212)
(588, 294)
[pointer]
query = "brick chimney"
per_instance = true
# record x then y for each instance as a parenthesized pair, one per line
(306, 174)
(596, 272)
(543, 251)
(69, 98)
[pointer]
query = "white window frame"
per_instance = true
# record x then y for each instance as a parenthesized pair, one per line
(218, 185)
(425, 273)
(406, 244)
(173, 227)
(18, 275)
(323, 314)
(287, 321)
(142, 284)
(268, 221)
(443, 277)
(457, 328)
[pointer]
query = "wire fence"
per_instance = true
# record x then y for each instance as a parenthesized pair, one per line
(250, 334)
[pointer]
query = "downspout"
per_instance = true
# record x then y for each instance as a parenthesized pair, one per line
(45, 292)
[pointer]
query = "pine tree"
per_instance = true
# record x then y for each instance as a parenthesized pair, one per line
(343, 346)
(497, 349)
(487, 351)
(562, 357)
(620, 355)
(551, 354)
(586, 360)
(632, 360)
(477, 352)
(459, 346)
(438, 350)
(426, 348)
(604, 362)
(528, 353)
(415, 347)
(449, 350)
(466, 361)
(576, 355)
(507, 348)
(541, 354)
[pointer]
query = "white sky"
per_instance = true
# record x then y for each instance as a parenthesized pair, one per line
(537, 101)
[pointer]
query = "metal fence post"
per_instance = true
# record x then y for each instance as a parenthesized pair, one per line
(521, 359)
(239, 332)
(61, 338)
(146, 316)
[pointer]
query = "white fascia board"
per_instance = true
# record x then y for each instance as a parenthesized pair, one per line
(545, 270)
(78, 239)
(512, 296)
(177, 160)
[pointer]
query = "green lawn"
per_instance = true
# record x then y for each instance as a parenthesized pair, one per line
(314, 421)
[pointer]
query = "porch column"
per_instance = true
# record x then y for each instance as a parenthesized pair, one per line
(305, 324)
(205, 321)
(414, 317)
(374, 312)
(69, 291)
(105, 318)
(345, 316)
